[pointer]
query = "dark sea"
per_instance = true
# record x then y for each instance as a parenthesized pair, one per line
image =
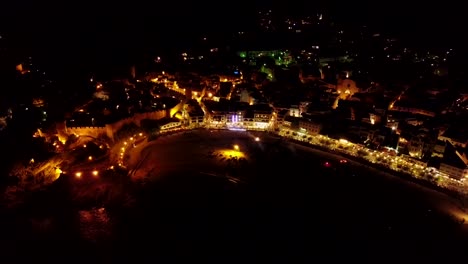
(287, 208)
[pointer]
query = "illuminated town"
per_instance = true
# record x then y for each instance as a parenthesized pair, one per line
(173, 108)
(325, 104)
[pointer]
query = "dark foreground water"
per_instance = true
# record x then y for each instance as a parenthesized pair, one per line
(288, 208)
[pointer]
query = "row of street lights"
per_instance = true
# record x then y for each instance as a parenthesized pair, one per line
(130, 141)
(80, 174)
(94, 173)
(399, 164)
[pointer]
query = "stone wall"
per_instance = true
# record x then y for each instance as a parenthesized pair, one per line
(110, 129)
(136, 119)
(86, 131)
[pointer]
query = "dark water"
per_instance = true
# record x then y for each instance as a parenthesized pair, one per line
(288, 208)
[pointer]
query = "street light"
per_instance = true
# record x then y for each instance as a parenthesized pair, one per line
(78, 175)
(95, 173)
(236, 147)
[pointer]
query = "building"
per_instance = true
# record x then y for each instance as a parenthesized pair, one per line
(454, 163)
(246, 96)
(169, 123)
(455, 137)
(310, 127)
(262, 116)
(280, 115)
(234, 118)
(421, 145)
(196, 120)
(295, 111)
(380, 137)
(304, 107)
(360, 132)
(439, 149)
(290, 123)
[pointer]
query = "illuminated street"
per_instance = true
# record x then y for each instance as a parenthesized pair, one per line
(395, 163)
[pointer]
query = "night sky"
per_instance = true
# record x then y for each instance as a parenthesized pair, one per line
(90, 32)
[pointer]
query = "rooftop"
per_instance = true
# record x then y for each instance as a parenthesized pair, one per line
(455, 158)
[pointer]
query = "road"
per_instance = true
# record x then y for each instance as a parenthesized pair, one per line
(443, 202)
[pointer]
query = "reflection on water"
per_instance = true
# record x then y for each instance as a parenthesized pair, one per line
(94, 224)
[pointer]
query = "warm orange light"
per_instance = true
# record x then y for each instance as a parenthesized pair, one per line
(78, 175)
(236, 147)
(232, 153)
(141, 134)
(84, 146)
(257, 139)
(90, 158)
(344, 141)
(210, 94)
(95, 173)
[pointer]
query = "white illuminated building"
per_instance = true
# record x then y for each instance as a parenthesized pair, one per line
(295, 111)
(234, 119)
(238, 120)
